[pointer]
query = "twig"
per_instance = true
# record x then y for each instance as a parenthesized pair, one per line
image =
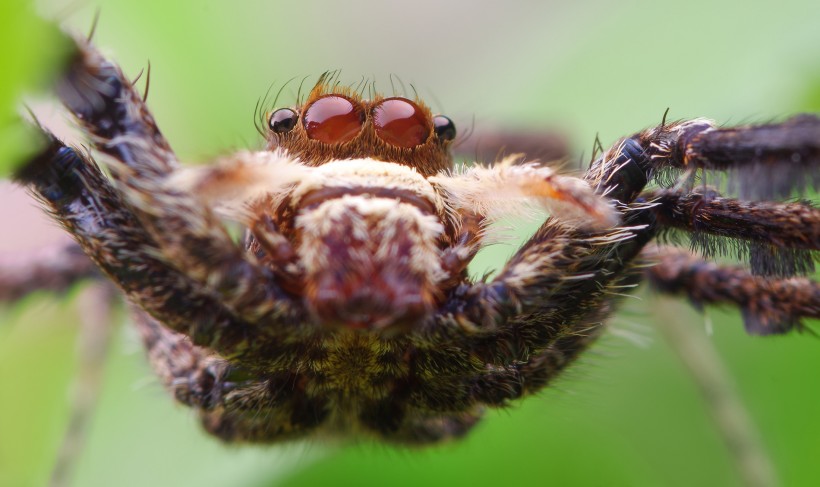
(52, 269)
(725, 406)
(93, 344)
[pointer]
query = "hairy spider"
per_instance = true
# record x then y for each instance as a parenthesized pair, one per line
(348, 309)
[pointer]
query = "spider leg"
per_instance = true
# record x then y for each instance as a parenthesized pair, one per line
(190, 236)
(391, 423)
(769, 306)
(777, 238)
(233, 404)
(561, 273)
(763, 160)
(493, 144)
(113, 113)
(538, 305)
(542, 310)
(82, 199)
(549, 301)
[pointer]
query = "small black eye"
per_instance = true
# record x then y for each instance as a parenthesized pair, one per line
(444, 127)
(283, 120)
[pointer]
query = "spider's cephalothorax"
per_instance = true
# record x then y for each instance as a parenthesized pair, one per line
(348, 309)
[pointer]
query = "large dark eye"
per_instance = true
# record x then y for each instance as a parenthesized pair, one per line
(333, 119)
(400, 122)
(444, 128)
(282, 120)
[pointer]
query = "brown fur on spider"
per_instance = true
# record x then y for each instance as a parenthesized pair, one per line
(348, 310)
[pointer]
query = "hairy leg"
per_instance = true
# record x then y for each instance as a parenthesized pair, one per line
(763, 161)
(509, 189)
(189, 235)
(769, 306)
(776, 238)
(544, 284)
(234, 404)
(491, 144)
(82, 199)
(561, 273)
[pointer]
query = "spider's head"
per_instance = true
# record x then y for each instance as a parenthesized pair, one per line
(337, 123)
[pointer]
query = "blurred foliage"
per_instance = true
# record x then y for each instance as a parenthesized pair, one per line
(627, 415)
(22, 35)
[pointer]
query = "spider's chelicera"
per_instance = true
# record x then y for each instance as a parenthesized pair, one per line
(348, 309)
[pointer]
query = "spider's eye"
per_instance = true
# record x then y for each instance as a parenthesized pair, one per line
(333, 119)
(400, 122)
(444, 128)
(282, 120)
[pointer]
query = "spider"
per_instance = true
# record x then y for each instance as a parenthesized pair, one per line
(347, 310)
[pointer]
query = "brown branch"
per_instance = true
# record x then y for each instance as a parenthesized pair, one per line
(53, 268)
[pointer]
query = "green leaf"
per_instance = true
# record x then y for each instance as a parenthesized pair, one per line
(33, 50)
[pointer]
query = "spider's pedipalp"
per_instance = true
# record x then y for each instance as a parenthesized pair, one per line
(509, 189)
(769, 306)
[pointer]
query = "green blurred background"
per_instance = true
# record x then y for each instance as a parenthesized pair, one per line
(629, 414)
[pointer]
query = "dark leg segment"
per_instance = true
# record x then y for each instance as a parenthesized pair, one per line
(776, 238)
(80, 197)
(490, 145)
(793, 225)
(234, 404)
(558, 284)
(548, 303)
(769, 306)
(190, 236)
(113, 113)
(765, 160)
